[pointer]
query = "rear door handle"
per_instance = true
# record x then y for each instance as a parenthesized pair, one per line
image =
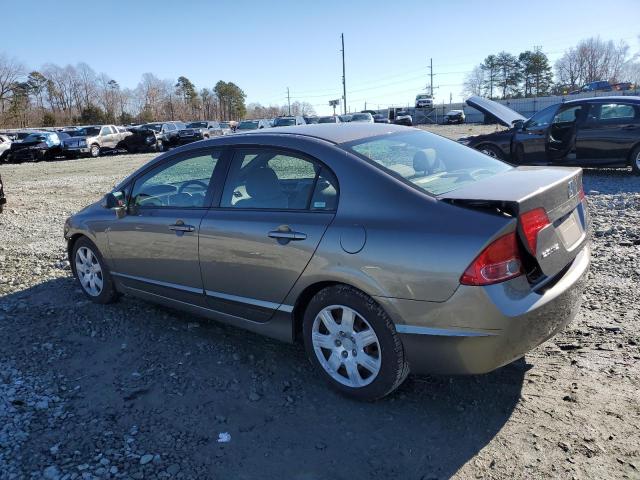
(287, 235)
(181, 227)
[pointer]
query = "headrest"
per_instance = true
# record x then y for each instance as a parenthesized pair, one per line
(424, 160)
(263, 183)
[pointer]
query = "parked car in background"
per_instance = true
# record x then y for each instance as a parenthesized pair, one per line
(311, 120)
(288, 121)
(37, 146)
(5, 146)
(623, 86)
(362, 117)
(166, 134)
(226, 128)
(141, 140)
(329, 119)
(257, 230)
(424, 100)
(403, 118)
(600, 86)
(454, 116)
(380, 118)
(246, 125)
(345, 118)
(200, 130)
(75, 145)
(587, 132)
(97, 139)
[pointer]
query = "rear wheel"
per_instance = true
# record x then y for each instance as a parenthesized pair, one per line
(492, 151)
(92, 273)
(352, 341)
(635, 160)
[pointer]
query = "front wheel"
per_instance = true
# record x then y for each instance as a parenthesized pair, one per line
(635, 160)
(353, 343)
(94, 151)
(92, 273)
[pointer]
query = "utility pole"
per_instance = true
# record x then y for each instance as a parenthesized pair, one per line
(431, 75)
(289, 101)
(344, 80)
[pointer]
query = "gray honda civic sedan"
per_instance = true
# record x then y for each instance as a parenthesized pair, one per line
(385, 249)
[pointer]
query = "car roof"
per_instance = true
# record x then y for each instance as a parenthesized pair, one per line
(336, 133)
(611, 98)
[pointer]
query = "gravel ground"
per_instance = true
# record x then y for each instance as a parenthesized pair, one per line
(132, 390)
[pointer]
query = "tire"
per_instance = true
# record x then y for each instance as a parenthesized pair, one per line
(94, 151)
(634, 160)
(90, 270)
(159, 146)
(492, 151)
(363, 371)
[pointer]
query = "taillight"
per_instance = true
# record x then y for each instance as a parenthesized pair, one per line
(532, 222)
(498, 262)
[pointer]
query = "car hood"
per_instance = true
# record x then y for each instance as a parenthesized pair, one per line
(503, 114)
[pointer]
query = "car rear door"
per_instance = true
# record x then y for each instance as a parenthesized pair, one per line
(154, 246)
(275, 208)
(608, 133)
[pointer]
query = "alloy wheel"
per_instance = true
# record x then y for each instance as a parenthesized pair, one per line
(346, 346)
(490, 152)
(638, 161)
(89, 271)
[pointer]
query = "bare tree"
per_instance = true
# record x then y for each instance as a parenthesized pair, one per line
(474, 82)
(11, 72)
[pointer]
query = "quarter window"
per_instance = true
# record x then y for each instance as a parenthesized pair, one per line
(275, 180)
(182, 183)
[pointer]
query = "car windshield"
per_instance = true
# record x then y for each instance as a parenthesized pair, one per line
(327, 120)
(431, 163)
(156, 127)
(86, 132)
(197, 125)
(360, 116)
(248, 125)
(224, 124)
(454, 112)
(284, 122)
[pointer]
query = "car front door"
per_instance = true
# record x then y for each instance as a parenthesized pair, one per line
(562, 134)
(608, 133)
(529, 141)
(155, 245)
(275, 208)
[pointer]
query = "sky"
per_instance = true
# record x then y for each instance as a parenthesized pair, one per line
(266, 46)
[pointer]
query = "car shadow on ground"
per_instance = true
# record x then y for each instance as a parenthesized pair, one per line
(181, 381)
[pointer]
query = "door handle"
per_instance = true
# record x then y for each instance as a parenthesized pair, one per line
(181, 227)
(286, 236)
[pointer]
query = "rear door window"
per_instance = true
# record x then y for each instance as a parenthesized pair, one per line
(273, 179)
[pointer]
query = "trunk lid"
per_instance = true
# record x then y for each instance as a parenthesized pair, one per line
(515, 192)
(503, 114)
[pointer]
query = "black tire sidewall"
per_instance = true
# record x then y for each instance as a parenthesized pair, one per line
(108, 293)
(632, 160)
(393, 370)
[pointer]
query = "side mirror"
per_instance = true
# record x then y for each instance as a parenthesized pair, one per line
(518, 124)
(110, 201)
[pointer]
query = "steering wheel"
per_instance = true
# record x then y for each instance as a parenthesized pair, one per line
(192, 182)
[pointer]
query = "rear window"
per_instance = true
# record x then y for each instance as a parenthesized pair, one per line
(431, 163)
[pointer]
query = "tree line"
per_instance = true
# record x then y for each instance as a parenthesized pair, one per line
(530, 74)
(56, 95)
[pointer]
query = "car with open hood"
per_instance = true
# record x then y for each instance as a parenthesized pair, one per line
(384, 249)
(587, 132)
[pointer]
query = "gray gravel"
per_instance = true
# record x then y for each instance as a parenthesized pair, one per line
(132, 390)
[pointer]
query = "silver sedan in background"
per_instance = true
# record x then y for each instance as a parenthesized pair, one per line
(385, 249)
